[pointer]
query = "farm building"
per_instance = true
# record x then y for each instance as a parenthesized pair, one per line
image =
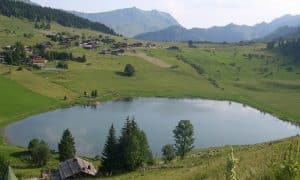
(105, 51)
(75, 168)
(118, 52)
(38, 60)
(45, 44)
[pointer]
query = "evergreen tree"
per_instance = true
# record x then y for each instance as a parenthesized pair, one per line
(129, 70)
(66, 147)
(39, 13)
(110, 161)
(134, 150)
(32, 144)
(183, 134)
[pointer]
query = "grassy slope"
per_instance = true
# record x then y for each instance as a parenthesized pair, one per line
(253, 163)
(278, 93)
(16, 101)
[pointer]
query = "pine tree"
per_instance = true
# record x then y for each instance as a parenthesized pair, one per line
(66, 147)
(110, 161)
(133, 147)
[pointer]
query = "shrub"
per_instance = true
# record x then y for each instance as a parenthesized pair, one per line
(230, 167)
(289, 163)
(39, 152)
(129, 70)
(62, 65)
(168, 152)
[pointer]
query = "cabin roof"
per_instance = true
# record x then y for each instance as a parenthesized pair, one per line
(74, 167)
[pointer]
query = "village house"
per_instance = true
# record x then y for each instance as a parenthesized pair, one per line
(75, 168)
(39, 61)
(107, 40)
(52, 35)
(89, 44)
(120, 45)
(138, 44)
(105, 51)
(28, 49)
(150, 45)
(46, 44)
(118, 52)
(7, 48)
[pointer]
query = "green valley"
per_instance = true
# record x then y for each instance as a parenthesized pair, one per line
(242, 72)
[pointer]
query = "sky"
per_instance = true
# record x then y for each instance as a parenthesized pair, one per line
(192, 13)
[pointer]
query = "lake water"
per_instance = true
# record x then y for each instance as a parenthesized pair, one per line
(216, 123)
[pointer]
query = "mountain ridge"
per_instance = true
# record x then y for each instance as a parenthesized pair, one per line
(132, 21)
(229, 33)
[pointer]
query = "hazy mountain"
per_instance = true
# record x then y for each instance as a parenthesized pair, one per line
(281, 32)
(229, 33)
(132, 21)
(284, 32)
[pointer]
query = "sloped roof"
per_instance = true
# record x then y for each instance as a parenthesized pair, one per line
(9, 175)
(76, 166)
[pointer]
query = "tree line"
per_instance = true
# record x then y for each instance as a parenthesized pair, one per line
(15, 54)
(289, 47)
(38, 13)
(128, 152)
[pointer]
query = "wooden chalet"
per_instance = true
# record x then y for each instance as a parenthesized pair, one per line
(75, 168)
(46, 44)
(105, 51)
(118, 52)
(38, 60)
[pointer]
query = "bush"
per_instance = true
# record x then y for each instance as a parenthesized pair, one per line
(129, 70)
(62, 65)
(39, 152)
(168, 152)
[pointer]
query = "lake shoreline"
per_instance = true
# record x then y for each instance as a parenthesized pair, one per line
(171, 110)
(60, 105)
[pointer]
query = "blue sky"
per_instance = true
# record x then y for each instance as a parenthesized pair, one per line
(192, 13)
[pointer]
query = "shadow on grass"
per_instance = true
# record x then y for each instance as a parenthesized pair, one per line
(119, 73)
(21, 154)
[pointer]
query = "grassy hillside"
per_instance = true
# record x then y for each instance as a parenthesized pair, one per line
(17, 101)
(267, 81)
(253, 162)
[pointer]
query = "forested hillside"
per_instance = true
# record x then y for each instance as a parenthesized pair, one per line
(37, 13)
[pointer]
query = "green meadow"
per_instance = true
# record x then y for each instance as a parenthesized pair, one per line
(267, 81)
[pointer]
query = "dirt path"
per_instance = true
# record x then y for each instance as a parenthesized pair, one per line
(152, 60)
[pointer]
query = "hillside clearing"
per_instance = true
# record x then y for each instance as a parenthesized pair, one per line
(153, 60)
